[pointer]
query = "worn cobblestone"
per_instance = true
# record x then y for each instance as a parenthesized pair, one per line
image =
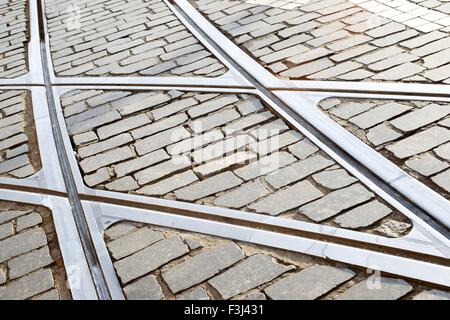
(29, 254)
(105, 43)
(14, 35)
(18, 147)
(349, 40)
(226, 269)
(413, 134)
(253, 163)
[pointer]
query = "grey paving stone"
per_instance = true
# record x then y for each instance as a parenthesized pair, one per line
(8, 215)
(94, 122)
(21, 243)
(334, 179)
(335, 202)
(83, 138)
(253, 296)
(150, 258)
(287, 199)
(172, 108)
(127, 167)
(269, 129)
(433, 294)
(202, 266)
(375, 289)
(426, 164)
(159, 126)
(212, 185)
(14, 163)
(105, 145)
(2, 277)
(215, 166)
(195, 142)
(146, 288)
(133, 242)
(351, 109)
(26, 287)
(275, 142)
(49, 295)
(307, 68)
(265, 165)
(110, 157)
(443, 151)
(162, 169)
(119, 229)
(6, 230)
(246, 122)
(363, 216)
(161, 139)
(144, 104)
(100, 176)
(443, 180)
(308, 284)
(382, 133)
(399, 72)
(197, 293)
(421, 117)
(214, 120)
(29, 262)
(122, 184)
(335, 71)
(303, 149)
(167, 185)
(419, 142)
(122, 126)
(242, 196)
(308, 56)
(297, 171)
(250, 273)
(30, 220)
(379, 114)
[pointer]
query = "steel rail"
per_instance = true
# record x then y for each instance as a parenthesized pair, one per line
(92, 259)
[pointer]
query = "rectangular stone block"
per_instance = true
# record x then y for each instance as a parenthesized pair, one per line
(250, 273)
(335, 202)
(212, 185)
(287, 199)
(309, 284)
(150, 258)
(202, 266)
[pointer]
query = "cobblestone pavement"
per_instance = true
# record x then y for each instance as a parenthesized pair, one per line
(413, 134)
(30, 262)
(19, 151)
(123, 38)
(224, 150)
(13, 38)
(159, 263)
(340, 39)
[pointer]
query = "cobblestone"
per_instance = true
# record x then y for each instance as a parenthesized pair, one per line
(390, 289)
(415, 138)
(226, 269)
(303, 285)
(146, 288)
(202, 267)
(14, 38)
(29, 254)
(254, 163)
(335, 202)
(355, 35)
(18, 147)
(250, 273)
(110, 44)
